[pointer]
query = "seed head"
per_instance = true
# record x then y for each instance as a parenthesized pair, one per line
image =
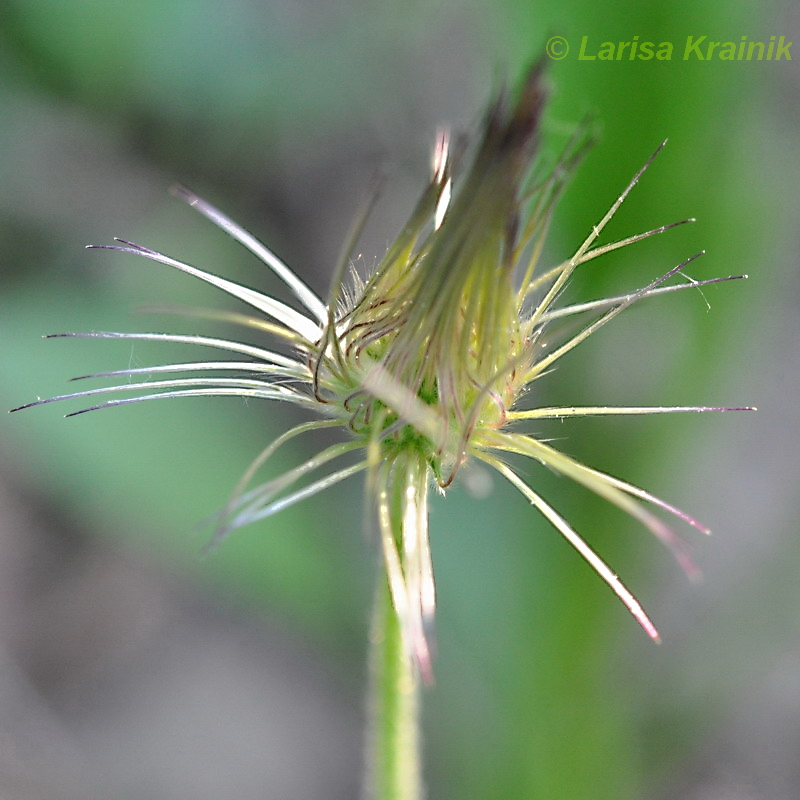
(426, 362)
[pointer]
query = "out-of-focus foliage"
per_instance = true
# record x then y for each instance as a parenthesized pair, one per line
(281, 112)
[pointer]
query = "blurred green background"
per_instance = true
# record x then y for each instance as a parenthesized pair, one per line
(131, 667)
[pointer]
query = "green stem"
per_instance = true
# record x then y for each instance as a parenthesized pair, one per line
(394, 738)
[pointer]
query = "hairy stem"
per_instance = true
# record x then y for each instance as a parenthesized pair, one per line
(393, 768)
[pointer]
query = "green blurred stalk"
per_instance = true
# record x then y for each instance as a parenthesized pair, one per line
(393, 758)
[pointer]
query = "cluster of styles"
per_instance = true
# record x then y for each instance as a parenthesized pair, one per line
(427, 362)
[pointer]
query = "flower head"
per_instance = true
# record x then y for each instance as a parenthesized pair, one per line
(426, 362)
